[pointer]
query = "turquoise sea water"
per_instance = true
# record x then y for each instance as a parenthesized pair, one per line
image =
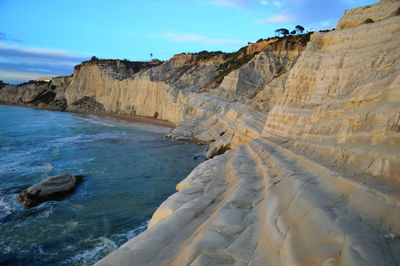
(129, 170)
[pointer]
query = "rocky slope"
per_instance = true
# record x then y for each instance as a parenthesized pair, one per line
(307, 133)
(317, 181)
(37, 93)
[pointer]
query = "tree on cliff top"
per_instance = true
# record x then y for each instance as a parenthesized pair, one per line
(282, 31)
(299, 29)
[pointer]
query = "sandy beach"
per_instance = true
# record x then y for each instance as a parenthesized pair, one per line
(136, 119)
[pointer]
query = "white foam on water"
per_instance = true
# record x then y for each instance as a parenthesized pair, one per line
(103, 247)
(65, 140)
(4, 204)
(90, 256)
(71, 225)
(4, 208)
(49, 209)
(61, 142)
(53, 118)
(47, 168)
(16, 161)
(6, 250)
(41, 251)
(132, 233)
(95, 120)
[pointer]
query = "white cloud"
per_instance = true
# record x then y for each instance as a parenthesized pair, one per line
(247, 3)
(199, 39)
(262, 21)
(230, 3)
(18, 75)
(314, 14)
(20, 52)
(20, 63)
(277, 4)
(282, 18)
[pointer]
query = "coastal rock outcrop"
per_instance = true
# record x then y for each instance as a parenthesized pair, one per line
(37, 93)
(51, 188)
(313, 174)
(369, 14)
(304, 139)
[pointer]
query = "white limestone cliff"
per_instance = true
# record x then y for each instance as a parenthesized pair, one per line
(313, 174)
(303, 137)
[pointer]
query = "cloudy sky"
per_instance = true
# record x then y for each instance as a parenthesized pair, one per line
(48, 37)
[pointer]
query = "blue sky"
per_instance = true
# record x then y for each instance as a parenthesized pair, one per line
(48, 37)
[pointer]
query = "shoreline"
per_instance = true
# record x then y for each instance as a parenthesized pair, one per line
(112, 237)
(136, 119)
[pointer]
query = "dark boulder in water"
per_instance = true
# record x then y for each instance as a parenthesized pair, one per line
(52, 188)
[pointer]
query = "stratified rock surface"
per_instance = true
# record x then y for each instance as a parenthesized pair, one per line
(52, 188)
(304, 141)
(37, 93)
(313, 174)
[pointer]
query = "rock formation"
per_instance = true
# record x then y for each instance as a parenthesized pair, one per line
(52, 188)
(303, 136)
(314, 175)
(37, 93)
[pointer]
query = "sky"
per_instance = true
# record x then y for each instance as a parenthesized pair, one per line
(44, 38)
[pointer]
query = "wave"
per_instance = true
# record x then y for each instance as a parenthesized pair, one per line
(104, 246)
(134, 232)
(47, 168)
(61, 142)
(5, 209)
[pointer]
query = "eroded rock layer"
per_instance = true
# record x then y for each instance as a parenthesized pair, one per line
(313, 177)
(303, 137)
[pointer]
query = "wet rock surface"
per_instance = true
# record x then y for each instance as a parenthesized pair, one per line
(52, 188)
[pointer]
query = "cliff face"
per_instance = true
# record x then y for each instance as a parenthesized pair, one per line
(234, 112)
(307, 133)
(37, 93)
(149, 92)
(163, 89)
(313, 176)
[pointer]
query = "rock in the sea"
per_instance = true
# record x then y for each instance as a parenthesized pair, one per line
(52, 188)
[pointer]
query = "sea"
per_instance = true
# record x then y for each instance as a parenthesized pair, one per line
(129, 170)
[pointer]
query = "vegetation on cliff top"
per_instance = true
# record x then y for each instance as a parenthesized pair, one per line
(130, 66)
(285, 32)
(240, 58)
(231, 61)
